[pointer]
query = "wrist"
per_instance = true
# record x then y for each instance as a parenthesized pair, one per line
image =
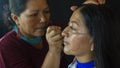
(54, 52)
(56, 49)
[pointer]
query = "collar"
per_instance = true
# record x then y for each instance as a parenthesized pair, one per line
(31, 41)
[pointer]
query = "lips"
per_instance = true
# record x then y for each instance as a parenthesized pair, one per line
(42, 27)
(65, 42)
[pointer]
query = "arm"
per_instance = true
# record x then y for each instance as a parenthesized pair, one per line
(52, 60)
(54, 39)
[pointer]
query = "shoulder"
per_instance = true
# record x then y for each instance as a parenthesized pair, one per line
(11, 49)
(72, 65)
(9, 41)
(7, 37)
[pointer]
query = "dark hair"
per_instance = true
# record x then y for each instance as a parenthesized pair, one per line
(17, 6)
(100, 22)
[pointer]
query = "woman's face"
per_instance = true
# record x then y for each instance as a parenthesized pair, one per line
(33, 21)
(77, 40)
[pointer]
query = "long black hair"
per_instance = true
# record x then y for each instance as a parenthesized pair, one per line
(100, 22)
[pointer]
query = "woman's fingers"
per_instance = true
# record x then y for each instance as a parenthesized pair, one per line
(54, 38)
(73, 8)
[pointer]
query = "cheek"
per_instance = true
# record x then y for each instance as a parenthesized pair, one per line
(79, 45)
(73, 45)
(25, 20)
(48, 17)
(25, 27)
(80, 42)
(27, 24)
(31, 23)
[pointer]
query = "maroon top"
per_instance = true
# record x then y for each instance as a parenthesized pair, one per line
(16, 53)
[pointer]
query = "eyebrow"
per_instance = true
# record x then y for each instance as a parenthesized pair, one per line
(73, 22)
(38, 10)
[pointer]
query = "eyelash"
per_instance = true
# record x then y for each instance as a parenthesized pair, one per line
(35, 14)
(72, 28)
(47, 11)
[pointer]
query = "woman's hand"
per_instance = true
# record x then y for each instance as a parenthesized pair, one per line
(73, 8)
(54, 39)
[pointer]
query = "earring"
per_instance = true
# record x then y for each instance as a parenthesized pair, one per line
(91, 49)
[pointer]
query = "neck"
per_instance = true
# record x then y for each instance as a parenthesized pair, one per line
(30, 40)
(39, 45)
(85, 58)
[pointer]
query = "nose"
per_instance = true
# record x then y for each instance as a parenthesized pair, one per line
(65, 32)
(43, 18)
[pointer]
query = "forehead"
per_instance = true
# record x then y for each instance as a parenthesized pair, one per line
(77, 17)
(36, 4)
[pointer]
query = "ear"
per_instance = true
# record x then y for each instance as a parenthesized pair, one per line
(15, 18)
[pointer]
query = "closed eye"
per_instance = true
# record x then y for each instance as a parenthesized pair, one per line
(47, 11)
(72, 28)
(34, 14)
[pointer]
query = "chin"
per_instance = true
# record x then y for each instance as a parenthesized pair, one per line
(39, 34)
(66, 51)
